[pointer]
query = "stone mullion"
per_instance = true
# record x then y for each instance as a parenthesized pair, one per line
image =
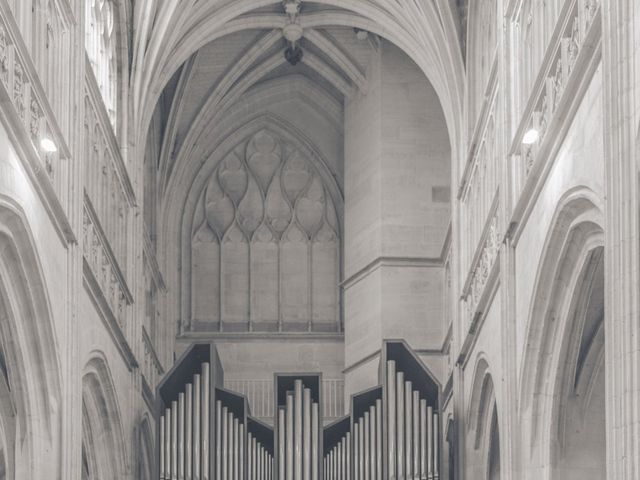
(622, 237)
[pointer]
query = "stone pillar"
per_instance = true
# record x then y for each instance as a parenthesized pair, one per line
(397, 176)
(622, 253)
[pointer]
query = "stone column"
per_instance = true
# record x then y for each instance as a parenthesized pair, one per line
(397, 176)
(622, 226)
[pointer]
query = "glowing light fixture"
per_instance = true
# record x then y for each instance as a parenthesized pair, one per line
(48, 145)
(531, 137)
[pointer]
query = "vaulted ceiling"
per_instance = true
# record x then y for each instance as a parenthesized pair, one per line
(203, 55)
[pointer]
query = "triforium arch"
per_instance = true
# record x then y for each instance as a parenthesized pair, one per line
(29, 366)
(229, 197)
(103, 439)
(562, 377)
(482, 419)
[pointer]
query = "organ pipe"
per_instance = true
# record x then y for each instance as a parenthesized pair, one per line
(281, 442)
(430, 442)
(379, 454)
(423, 437)
(391, 419)
(224, 447)
(197, 411)
(188, 433)
(436, 473)
(290, 447)
(241, 443)
(297, 429)
(315, 435)
(204, 418)
(400, 424)
(181, 436)
(167, 444)
(162, 477)
(408, 426)
(218, 439)
(306, 431)
(174, 440)
(366, 459)
(394, 437)
(416, 433)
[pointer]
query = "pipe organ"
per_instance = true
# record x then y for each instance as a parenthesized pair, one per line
(206, 432)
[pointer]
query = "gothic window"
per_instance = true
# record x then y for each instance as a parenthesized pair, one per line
(101, 44)
(265, 243)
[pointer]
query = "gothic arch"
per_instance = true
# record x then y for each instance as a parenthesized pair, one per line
(179, 212)
(162, 47)
(564, 341)
(103, 438)
(145, 467)
(30, 372)
(482, 423)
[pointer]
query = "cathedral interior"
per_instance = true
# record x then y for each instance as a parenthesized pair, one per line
(319, 239)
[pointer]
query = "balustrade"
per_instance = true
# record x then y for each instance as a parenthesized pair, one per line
(548, 93)
(33, 112)
(151, 367)
(101, 261)
(478, 191)
(107, 182)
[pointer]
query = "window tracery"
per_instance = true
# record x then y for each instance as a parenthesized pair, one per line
(101, 43)
(265, 243)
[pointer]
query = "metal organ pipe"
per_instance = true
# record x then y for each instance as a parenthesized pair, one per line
(394, 437)
(188, 433)
(379, 454)
(423, 437)
(436, 473)
(196, 427)
(289, 454)
(306, 434)
(181, 436)
(408, 426)
(400, 424)
(167, 444)
(391, 419)
(315, 435)
(174, 440)
(204, 417)
(416, 433)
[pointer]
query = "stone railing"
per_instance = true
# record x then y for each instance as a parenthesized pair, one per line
(107, 181)
(563, 65)
(260, 396)
(30, 118)
(482, 267)
(104, 268)
(48, 28)
(480, 179)
(151, 367)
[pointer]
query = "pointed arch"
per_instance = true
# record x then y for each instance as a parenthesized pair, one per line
(564, 338)
(146, 463)
(483, 423)
(30, 369)
(103, 438)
